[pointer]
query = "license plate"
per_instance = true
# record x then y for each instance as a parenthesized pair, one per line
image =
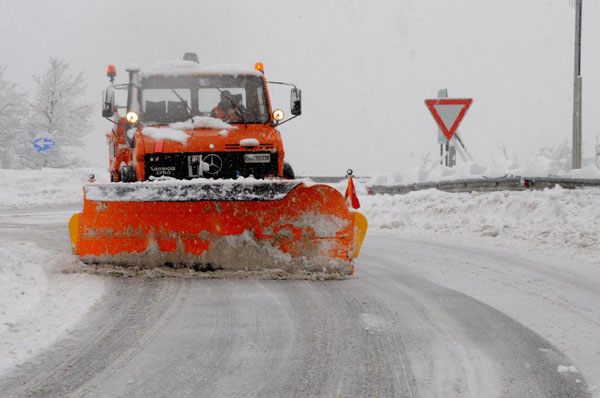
(257, 158)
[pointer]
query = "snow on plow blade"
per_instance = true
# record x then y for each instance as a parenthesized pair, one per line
(248, 225)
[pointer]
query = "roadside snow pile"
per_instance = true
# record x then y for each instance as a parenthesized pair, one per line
(551, 219)
(45, 187)
(537, 166)
(555, 217)
(38, 304)
(586, 172)
(22, 281)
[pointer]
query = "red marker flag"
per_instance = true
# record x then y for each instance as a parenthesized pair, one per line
(350, 195)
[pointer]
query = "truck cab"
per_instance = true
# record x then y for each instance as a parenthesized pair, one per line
(183, 121)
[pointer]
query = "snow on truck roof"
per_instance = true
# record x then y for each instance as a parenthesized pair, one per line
(183, 68)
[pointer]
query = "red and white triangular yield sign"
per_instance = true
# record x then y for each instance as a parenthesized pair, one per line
(448, 112)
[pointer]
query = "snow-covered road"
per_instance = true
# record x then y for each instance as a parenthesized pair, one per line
(454, 295)
(420, 318)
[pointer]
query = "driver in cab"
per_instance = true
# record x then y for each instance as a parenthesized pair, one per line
(228, 108)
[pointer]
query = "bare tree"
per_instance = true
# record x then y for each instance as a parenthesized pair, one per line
(58, 113)
(503, 150)
(427, 164)
(15, 149)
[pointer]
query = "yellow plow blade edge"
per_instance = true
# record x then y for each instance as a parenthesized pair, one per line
(360, 231)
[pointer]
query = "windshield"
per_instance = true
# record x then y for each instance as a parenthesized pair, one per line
(171, 99)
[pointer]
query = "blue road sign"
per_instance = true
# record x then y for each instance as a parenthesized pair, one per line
(43, 145)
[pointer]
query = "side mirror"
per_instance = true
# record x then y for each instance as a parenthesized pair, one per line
(296, 101)
(108, 102)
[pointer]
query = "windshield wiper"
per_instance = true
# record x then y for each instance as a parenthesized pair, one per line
(187, 107)
(237, 108)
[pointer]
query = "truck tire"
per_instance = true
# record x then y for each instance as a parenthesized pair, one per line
(288, 172)
(127, 174)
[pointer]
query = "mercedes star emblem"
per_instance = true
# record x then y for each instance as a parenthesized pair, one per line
(214, 163)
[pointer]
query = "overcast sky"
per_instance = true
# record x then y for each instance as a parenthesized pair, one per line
(365, 68)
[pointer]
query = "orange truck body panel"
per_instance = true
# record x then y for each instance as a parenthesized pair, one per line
(212, 140)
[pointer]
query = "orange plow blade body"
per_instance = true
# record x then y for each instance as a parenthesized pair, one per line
(249, 225)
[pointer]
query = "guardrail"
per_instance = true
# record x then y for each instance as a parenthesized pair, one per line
(332, 179)
(486, 185)
(324, 179)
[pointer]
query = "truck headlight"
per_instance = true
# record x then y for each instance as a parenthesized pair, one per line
(278, 115)
(132, 117)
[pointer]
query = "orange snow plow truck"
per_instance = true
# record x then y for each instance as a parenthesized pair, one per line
(199, 179)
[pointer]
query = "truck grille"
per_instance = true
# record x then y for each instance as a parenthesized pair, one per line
(208, 165)
(261, 147)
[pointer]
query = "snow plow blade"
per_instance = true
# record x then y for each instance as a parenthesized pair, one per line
(234, 225)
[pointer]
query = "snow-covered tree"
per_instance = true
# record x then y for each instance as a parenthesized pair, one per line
(58, 113)
(15, 140)
(560, 157)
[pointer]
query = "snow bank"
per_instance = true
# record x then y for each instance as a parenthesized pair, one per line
(37, 303)
(586, 172)
(561, 220)
(549, 219)
(45, 187)
(22, 280)
(556, 218)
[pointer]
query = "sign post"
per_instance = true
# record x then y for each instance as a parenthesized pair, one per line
(446, 146)
(577, 88)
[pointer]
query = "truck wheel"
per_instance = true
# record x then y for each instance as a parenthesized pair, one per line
(288, 172)
(127, 174)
